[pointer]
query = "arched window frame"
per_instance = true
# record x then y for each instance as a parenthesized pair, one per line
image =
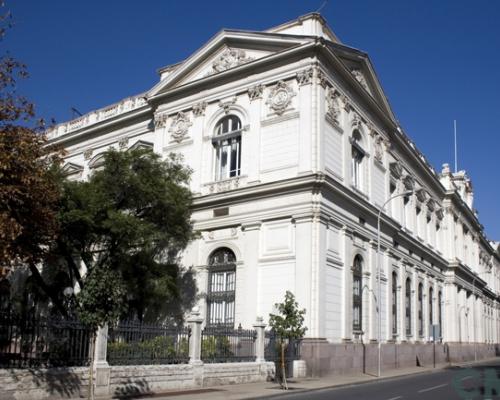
(408, 306)
(227, 146)
(221, 288)
(357, 294)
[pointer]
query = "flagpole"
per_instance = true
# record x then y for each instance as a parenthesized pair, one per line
(455, 134)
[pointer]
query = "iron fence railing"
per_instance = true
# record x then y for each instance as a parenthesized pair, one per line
(272, 351)
(136, 343)
(30, 341)
(221, 344)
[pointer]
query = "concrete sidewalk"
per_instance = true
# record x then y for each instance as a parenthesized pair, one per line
(267, 389)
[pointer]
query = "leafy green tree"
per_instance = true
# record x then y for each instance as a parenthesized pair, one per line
(287, 325)
(127, 225)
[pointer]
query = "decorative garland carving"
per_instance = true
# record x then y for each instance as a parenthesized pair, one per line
(379, 152)
(333, 106)
(305, 76)
(160, 121)
(180, 127)
(255, 92)
(199, 109)
(280, 97)
(322, 79)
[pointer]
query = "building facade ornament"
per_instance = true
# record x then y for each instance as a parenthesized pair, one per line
(180, 127)
(255, 92)
(333, 106)
(379, 151)
(356, 121)
(360, 78)
(346, 102)
(199, 108)
(305, 76)
(230, 58)
(87, 154)
(280, 97)
(160, 121)
(226, 105)
(123, 143)
(322, 79)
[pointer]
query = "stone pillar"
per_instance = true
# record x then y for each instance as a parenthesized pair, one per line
(101, 366)
(259, 326)
(195, 320)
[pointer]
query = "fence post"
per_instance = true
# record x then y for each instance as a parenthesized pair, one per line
(195, 320)
(101, 366)
(260, 341)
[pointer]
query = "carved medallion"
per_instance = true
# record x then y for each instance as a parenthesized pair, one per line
(180, 127)
(230, 58)
(280, 97)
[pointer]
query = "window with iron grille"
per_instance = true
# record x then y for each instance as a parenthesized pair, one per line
(420, 310)
(358, 154)
(431, 306)
(440, 315)
(221, 288)
(357, 294)
(394, 303)
(227, 145)
(408, 307)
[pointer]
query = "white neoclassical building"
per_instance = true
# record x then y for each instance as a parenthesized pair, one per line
(294, 150)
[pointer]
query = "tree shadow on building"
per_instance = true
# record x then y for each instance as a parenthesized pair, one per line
(133, 388)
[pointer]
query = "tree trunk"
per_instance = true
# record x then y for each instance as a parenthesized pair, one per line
(91, 368)
(46, 288)
(283, 372)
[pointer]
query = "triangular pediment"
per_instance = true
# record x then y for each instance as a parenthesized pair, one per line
(359, 65)
(72, 170)
(227, 51)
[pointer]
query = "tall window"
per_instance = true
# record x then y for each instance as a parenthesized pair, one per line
(440, 314)
(394, 303)
(408, 307)
(221, 287)
(431, 307)
(357, 293)
(420, 309)
(227, 144)
(358, 155)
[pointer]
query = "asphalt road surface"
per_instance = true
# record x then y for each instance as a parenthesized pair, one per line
(465, 383)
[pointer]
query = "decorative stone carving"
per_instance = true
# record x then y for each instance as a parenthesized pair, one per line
(346, 102)
(280, 97)
(234, 231)
(199, 109)
(305, 76)
(230, 58)
(225, 185)
(396, 169)
(211, 235)
(87, 154)
(360, 78)
(160, 120)
(255, 92)
(226, 105)
(123, 143)
(333, 106)
(322, 79)
(356, 121)
(379, 152)
(180, 127)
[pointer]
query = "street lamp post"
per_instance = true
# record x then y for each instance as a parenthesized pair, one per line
(379, 296)
(474, 310)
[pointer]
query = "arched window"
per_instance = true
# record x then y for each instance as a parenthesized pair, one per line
(358, 154)
(227, 145)
(357, 294)
(440, 315)
(394, 303)
(221, 288)
(408, 307)
(420, 309)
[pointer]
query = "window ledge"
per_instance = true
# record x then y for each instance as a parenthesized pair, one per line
(224, 185)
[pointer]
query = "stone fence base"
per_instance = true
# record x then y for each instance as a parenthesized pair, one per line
(124, 381)
(325, 359)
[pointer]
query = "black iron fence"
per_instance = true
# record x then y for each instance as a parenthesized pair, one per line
(225, 344)
(33, 341)
(135, 343)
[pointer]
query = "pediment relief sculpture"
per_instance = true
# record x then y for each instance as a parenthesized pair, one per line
(280, 97)
(230, 58)
(360, 78)
(180, 126)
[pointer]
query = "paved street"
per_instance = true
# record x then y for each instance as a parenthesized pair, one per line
(455, 383)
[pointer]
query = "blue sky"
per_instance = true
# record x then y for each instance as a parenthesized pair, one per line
(437, 61)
